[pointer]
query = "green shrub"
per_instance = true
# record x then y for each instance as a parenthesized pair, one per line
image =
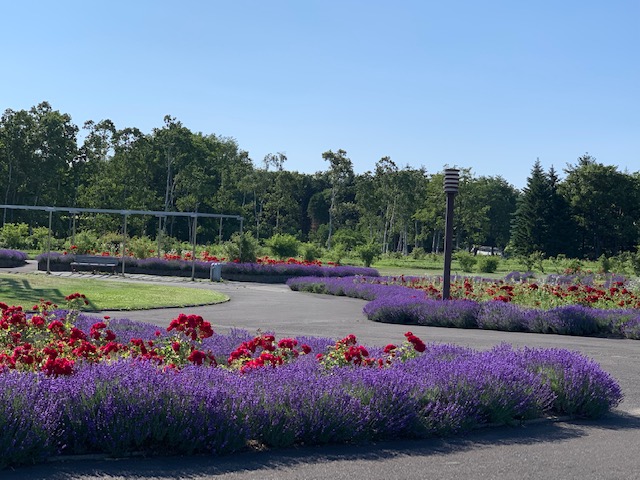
(311, 251)
(488, 264)
(418, 253)
(574, 265)
(604, 263)
(164, 242)
(466, 261)
(85, 241)
(347, 237)
(621, 263)
(39, 238)
(368, 253)
(634, 259)
(109, 242)
(14, 236)
(242, 247)
(532, 261)
(321, 234)
(142, 247)
(337, 252)
(559, 262)
(283, 245)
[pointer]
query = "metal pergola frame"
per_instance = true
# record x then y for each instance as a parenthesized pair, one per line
(125, 214)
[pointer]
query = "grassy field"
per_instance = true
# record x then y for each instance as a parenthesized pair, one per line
(413, 267)
(27, 290)
(433, 265)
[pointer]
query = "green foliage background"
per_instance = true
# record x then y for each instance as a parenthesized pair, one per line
(45, 159)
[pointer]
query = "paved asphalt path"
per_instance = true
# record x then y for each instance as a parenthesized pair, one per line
(605, 449)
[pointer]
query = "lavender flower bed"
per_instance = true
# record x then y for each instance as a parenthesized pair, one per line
(294, 270)
(133, 406)
(404, 305)
(12, 258)
(160, 266)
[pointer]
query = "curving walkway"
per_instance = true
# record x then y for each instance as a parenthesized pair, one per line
(607, 449)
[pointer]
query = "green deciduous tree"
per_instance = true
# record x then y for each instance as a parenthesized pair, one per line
(340, 177)
(605, 204)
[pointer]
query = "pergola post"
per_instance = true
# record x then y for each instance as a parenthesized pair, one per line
(158, 235)
(193, 252)
(73, 229)
(124, 240)
(49, 242)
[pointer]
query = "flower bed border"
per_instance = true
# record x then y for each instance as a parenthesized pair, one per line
(404, 305)
(134, 404)
(241, 272)
(12, 258)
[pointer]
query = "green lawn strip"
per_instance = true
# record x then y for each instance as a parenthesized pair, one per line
(27, 290)
(422, 272)
(407, 270)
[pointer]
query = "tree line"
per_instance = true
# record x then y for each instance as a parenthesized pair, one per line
(45, 159)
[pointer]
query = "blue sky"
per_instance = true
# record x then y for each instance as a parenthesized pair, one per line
(488, 85)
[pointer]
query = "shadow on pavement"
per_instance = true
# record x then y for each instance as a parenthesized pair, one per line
(250, 464)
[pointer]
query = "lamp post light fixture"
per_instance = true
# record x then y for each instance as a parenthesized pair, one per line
(451, 182)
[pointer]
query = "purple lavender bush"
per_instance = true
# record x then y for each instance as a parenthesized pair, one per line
(55, 258)
(136, 406)
(631, 328)
(505, 317)
(405, 305)
(13, 256)
(159, 266)
(578, 383)
(295, 270)
(29, 421)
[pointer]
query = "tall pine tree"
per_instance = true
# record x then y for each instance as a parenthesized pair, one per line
(562, 238)
(542, 221)
(530, 227)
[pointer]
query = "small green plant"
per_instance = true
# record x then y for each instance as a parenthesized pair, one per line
(311, 252)
(110, 242)
(466, 261)
(558, 262)
(604, 263)
(85, 241)
(418, 253)
(242, 247)
(14, 236)
(634, 259)
(573, 266)
(532, 261)
(142, 247)
(283, 245)
(488, 264)
(621, 263)
(39, 238)
(337, 253)
(349, 238)
(368, 253)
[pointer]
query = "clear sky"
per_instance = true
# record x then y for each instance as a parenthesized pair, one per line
(489, 85)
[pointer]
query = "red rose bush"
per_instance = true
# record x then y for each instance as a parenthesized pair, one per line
(73, 384)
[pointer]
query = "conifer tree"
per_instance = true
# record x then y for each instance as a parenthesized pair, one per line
(530, 226)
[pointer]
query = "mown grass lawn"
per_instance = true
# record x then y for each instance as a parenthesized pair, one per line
(27, 290)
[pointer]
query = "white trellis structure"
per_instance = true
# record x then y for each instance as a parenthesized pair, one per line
(125, 213)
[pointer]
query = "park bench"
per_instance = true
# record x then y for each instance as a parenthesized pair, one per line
(96, 262)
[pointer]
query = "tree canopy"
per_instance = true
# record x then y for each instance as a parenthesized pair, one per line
(594, 210)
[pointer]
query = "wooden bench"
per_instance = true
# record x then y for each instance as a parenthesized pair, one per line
(95, 262)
